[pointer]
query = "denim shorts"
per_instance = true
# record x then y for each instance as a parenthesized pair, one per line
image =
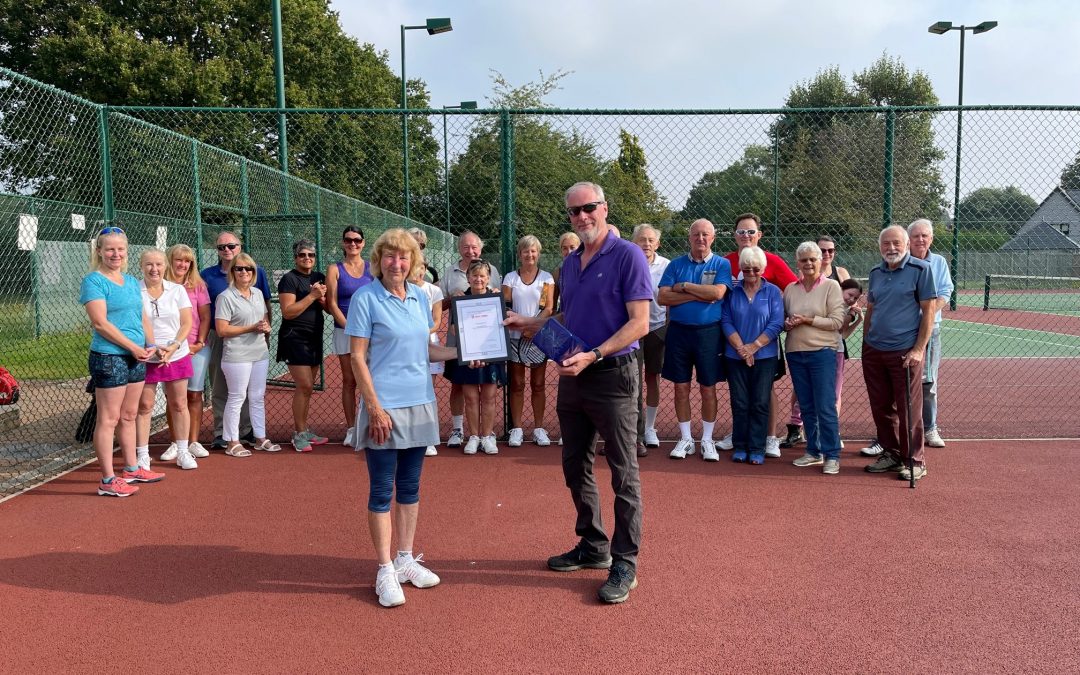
(200, 363)
(108, 371)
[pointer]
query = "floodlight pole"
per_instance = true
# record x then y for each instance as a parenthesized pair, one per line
(279, 86)
(464, 105)
(433, 27)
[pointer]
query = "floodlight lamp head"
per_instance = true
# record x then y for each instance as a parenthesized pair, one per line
(468, 105)
(941, 27)
(436, 26)
(984, 26)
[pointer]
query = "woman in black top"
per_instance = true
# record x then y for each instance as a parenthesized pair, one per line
(302, 295)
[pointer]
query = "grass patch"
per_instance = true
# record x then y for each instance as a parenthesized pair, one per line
(61, 356)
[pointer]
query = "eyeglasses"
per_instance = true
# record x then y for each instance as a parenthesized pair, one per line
(587, 208)
(153, 303)
(110, 230)
(746, 233)
(222, 247)
(305, 255)
(353, 241)
(243, 268)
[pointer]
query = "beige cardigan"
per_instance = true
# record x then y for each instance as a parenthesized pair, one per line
(825, 302)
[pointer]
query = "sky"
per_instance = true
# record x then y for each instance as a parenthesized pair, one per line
(693, 54)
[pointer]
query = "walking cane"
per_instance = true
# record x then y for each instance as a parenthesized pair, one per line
(907, 408)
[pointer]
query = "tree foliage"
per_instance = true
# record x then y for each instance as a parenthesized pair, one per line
(999, 209)
(745, 185)
(1070, 176)
(630, 192)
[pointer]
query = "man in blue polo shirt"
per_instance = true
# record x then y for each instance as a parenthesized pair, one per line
(693, 289)
(217, 280)
(899, 319)
(606, 289)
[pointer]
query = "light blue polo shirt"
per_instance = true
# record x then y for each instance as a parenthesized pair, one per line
(895, 295)
(714, 269)
(123, 309)
(942, 280)
(398, 331)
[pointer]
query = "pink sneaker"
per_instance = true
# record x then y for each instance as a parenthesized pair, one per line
(117, 488)
(141, 476)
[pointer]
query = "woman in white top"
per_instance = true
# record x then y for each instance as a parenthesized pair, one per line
(169, 308)
(531, 292)
(435, 296)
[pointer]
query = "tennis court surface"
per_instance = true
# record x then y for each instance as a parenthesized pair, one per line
(264, 565)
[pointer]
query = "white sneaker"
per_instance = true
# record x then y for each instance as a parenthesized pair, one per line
(431, 451)
(516, 437)
(651, 439)
(725, 443)
(143, 461)
(456, 438)
(540, 437)
(197, 450)
(872, 450)
(560, 440)
(933, 439)
(708, 450)
(683, 448)
(472, 445)
(169, 454)
(489, 445)
(349, 440)
(388, 587)
(772, 446)
(184, 460)
(411, 571)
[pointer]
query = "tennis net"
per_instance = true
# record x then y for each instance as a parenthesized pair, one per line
(1048, 295)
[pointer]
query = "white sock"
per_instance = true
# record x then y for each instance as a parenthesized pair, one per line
(684, 430)
(182, 446)
(650, 417)
(707, 429)
(143, 451)
(458, 422)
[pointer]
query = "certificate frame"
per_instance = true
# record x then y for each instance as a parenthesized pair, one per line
(488, 346)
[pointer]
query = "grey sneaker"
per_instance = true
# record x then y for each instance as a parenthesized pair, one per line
(905, 473)
(621, 580)
(886, 462)
(772, 446)
(832, 467)
(933, 439)
(872, 450)
(809, 460)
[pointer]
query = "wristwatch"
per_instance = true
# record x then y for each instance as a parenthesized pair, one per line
(599, 356)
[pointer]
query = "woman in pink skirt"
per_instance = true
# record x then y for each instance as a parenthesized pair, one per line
(169, 309)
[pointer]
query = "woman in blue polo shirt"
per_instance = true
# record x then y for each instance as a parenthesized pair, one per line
(388, 322)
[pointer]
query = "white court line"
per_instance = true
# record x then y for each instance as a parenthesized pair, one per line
(1014, 337)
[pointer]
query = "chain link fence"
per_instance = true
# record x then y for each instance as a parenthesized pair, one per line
(172, 175)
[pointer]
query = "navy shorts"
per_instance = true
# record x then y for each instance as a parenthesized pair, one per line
(693, 348)
(108, 371)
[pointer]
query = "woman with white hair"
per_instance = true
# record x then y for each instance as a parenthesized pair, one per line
(815, 313)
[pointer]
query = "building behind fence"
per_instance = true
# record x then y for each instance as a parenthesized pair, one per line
(174, 175)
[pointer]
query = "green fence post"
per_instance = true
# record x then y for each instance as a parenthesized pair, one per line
(954, 266)
(508, 233)
(106, 163)
(195, 186)
(244, 205)
(887, 196)
(775, 191)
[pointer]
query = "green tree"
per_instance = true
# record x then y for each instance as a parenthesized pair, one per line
(1070, 176)
(218, 53)
(628, 188)
(746, 185)
(832, 161)
(1002, 209)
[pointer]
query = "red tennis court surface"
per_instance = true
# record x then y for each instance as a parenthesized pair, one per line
(264, 565)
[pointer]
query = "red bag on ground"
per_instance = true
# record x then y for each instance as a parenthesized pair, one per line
(9, 387)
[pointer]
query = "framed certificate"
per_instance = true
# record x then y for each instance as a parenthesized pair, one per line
(481, 333)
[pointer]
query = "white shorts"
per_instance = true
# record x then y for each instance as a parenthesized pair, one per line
(342, 342)
(436, 367)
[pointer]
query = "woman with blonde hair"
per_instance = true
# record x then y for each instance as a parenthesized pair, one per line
(343, 279)
(242, 321)
(184, 270)
(121, 345)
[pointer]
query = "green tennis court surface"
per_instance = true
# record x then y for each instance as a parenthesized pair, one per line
(966, 339)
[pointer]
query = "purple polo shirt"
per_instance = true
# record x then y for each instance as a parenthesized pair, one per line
(594, 299)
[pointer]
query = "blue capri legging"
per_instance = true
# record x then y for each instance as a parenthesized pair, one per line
(390, 468)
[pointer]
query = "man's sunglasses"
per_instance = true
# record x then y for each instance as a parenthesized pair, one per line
(222, 247)
(587, 208)
(243, 268)
(746, 233)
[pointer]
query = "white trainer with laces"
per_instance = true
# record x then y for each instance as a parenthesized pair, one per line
(431, 451)
(933, 439)
(725, 443)
(872, 450)
(184, 460)
(388, 587)
(708, 450)
(540, 437)
(409, 570)
(198, 451)
(684, 447)
(651, 439)
(772, 446)
(489, 445)
(472, 446)
(170, 453)
(143, 461)
(516, 437)
(349, 441)
(456, 438)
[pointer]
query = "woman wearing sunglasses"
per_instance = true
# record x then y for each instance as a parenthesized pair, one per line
(243, 323)
(342, 280)
(183, 270)
(169, 308)
(302, 296)
(119, 349)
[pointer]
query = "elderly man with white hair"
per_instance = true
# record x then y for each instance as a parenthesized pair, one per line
(899, 319)
(921, 234)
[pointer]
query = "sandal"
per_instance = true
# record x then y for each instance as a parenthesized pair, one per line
(738, 456)
(268, 446)
(757, 457)
(237, 450)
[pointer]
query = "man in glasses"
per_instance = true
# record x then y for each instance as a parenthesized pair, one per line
(606, 289)
(693, 289)
(455, 282)
(217, 280)
(748, 231)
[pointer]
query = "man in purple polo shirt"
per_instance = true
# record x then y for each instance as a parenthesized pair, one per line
(606, 289)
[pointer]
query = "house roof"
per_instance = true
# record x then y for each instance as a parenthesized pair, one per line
(1040, 235)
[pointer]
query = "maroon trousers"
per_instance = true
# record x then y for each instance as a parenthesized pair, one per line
(883, 373)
